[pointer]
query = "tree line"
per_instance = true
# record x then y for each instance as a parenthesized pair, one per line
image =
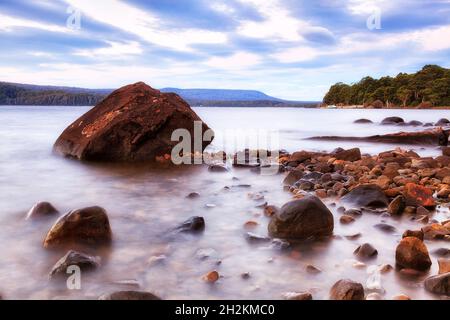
(429, 86)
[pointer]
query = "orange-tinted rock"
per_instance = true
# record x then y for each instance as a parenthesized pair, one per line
(134, 123)
(347, 290)
(435, 231)
(417, 195)
(411, 253)
(212, 276)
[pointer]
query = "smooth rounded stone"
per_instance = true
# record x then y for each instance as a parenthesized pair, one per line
(217, 168)
(130, 295)
(89, 226)
(439, 284)
(313, 176)
(442, 122)
(340, 209)
(417, 195)
(442, 252)
(444, 265)
(353, 236)
(193, 195)
(301, 219)
(385, 268)
(305, 185)
(397, 205)
(413, 233)
(255, 238)
(353, 212)
(392, 120)
(374, 296)
(411, 253)
(347, 290)
(73, 258)
(346, 219)
(211, 276)
(401, 297)
(41, 210)
(321, 193)
(415, 123)
(292, 177)
(367, 195)
(133, 123)
(363, 121)
(366, 251)
(435, 231)
(312, 269)
(193, 224)
(297, 296)
(387, 228)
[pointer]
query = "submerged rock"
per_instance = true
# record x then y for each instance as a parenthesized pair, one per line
(347, 290)
(411, 253)
(134, 123)
(83, 261)
(41, 210)
(297, 296)
(366, 251)
(301, 219)
(130, 295)
(193, 224)
(367, 195)
(439, 284)
(363, 121)
(392, 120)
(88, 226)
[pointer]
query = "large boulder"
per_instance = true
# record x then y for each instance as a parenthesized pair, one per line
(301, 219)
(411, 253)
(88, 226)
(134, 123)
(367, 195)
(347, 290)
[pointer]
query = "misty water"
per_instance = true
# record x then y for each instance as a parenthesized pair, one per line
(144, 201)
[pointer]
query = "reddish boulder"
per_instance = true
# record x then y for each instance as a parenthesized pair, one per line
(411, 253)
(134, 123)
(348, 155)
(417, 195)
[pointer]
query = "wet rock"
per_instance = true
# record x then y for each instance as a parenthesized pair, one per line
(130, 295)
(353, 236)
(397, 205)
(301, 219)
(417, 195)
(305, 185)
(73, 258)
(442, 252)
(435, 231)
(442, 122)
(312, 269)
(353, 212)
(345, 219)
(439, 284)
(217, 168)
(270, 210)
(367, 195)
(387, 228)
(348, 155)
(366, 251)
(193, 224)
(255, 238)
(413, 233)
(88, 226)
(347, 290)
(392, 120)
(415, 123)
(133, 123)
(363, 121)
(211, 277)
(385, 268)
(421, 211)
(444, 266)
(297, 296)
(313, 176)
(41, 210)
(292, 177)
(411, 253)
(193, 195)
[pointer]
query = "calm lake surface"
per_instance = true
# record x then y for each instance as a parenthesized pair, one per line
(144, 201)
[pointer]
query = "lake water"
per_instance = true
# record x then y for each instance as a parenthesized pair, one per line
(144, 201)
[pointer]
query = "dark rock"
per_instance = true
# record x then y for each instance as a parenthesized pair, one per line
(442, 252)
(439, 284)
(413, 233)
(292, 177)
(41, 210)
(253, 237)
(347, 290)
(446, 151)
(367, 195)
(385, 227)
(353, 212)
(299, 296)
(411, 253)
(193, 224)
(134, 123)
(130, 295)
(193, 195)
(83, 261)
(415, 123)
(392, 120)
(366, 251)
(313, 176)
(217, 168)
(312, 269)
(353, 236)
(88, 226)
(363, 121)
(348, 155)
(303, 218)
(397, 205)
(305, 185)
(442, 122)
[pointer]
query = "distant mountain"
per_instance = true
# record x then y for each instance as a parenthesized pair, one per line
(28, 94)
(221, 94)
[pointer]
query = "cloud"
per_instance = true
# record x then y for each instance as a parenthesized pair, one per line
(114, 49)
(8, 24)
(145, 25)
(238, 60)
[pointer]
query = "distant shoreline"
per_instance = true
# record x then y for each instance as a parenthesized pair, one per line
(361, 107)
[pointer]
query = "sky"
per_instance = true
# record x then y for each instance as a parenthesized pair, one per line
(290, 49)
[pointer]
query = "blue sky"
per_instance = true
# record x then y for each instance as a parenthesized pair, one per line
(292, 49)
